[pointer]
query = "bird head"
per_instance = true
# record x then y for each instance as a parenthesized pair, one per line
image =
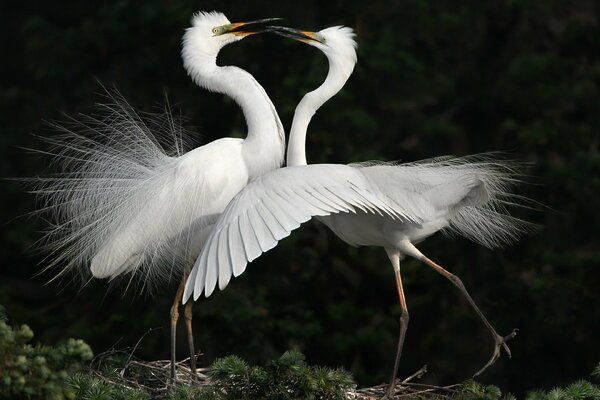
(337, 42)
(211, 31)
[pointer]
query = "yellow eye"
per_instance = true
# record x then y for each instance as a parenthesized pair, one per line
(215, 31)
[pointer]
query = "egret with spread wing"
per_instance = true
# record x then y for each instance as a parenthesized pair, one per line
(371, 204)
(125, 205)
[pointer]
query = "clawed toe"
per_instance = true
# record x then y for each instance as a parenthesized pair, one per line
(506, 339)
(499, 342)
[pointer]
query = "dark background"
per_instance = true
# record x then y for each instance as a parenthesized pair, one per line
(434, 77)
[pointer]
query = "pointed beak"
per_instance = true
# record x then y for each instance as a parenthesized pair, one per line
(250, 27)
(302, 36)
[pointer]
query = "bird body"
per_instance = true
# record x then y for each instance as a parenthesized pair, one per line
(432, 207)
(188, 193)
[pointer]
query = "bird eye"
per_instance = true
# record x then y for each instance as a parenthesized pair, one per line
(215, 30)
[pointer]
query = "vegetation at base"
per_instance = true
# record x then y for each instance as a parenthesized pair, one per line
(286, 378)
(37, 371)
(63, 372)
(86, 386)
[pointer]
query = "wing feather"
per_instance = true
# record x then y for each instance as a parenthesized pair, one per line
(211, 265)
(224, 261)
(355, 200)
(272, 206)
(251, 244)
(265, 239)
(270, 219)
(314, 197)
(340, 195)
(237, 253)
(286, 200)
(278, 211)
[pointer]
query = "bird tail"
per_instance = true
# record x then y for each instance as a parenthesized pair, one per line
(476, 191)
(104, 164)
(488, 184)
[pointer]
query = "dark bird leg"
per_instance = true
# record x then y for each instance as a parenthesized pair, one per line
(499, 341)
(394, 257)
(190, 336)
(174, 318)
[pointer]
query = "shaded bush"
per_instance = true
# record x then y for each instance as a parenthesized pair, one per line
(288, 377)
(37, 371)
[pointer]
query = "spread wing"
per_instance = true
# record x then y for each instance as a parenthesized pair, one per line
(272, 206)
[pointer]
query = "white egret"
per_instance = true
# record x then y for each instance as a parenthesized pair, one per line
(125, 205)
(370, 204)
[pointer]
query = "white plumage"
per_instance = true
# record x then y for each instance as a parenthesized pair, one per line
(370, 204)
(125, 204)
(365, 205)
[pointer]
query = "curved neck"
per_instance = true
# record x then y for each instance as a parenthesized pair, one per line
(264, 145)
(336, 78)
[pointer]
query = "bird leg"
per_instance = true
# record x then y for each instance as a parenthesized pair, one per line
(190, 336)
(499, 341)
(394, 257)
(174, 318)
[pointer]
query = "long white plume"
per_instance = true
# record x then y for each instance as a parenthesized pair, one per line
(108, 166)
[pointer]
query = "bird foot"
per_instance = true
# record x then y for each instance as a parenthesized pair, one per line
(500, 342)
(391, 393)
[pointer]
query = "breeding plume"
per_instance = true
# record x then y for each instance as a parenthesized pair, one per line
(370, 204)
(125, 205)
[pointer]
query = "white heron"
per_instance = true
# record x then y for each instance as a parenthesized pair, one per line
(370, 204)
(126, 205)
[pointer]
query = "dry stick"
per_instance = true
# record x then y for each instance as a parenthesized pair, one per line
(419, 374)
(415, 388)
(122, 373)
(414, 393)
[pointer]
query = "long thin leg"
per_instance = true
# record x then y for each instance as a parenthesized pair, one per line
(394, 257)
(174, 318)
(498, 340)
(190, 336)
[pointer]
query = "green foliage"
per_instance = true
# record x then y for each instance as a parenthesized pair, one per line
(580, 390)
(89, 387)
(37, 372)
(596, 372)
(475, 391)
(288, 377)
(231, 378)
(184, 392)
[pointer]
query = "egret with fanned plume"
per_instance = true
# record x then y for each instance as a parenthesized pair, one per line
(125, 205)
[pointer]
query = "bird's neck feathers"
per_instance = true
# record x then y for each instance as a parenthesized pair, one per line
(265, 132)
(339, 72)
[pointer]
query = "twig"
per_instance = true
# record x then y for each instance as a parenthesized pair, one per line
(419, 374)
(122, 373)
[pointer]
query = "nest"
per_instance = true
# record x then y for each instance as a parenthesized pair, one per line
(121, 368)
